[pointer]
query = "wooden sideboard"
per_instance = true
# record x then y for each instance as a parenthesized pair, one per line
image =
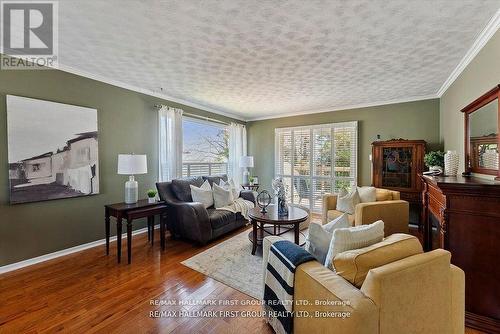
(462, 215)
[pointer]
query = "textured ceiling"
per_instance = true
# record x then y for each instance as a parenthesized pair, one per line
(263, 58)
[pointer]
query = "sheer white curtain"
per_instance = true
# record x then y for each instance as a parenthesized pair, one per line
(170, 145)
(237, 149)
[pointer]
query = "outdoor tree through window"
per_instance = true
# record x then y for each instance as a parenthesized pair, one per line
(205, 147)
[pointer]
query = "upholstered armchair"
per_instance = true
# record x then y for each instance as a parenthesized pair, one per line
(389, 207)
(391, 287)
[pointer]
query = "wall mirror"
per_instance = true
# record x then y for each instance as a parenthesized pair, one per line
(482, 140)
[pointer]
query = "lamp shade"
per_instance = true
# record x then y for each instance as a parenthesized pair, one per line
(131, 164)
(246, 161)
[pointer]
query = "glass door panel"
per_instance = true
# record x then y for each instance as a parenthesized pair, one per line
(397, 167)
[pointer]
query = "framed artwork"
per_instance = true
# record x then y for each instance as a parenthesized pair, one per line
(53, 150)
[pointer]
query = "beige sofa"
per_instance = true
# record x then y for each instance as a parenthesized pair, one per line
(388, 207)
(389, 288)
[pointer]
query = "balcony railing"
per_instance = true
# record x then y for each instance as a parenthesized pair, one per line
(203, 168)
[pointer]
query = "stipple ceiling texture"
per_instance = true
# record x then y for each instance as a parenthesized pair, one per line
(259, 58)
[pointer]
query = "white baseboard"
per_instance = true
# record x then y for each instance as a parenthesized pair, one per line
(63, 252)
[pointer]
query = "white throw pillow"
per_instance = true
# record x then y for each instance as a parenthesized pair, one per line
(231, 185)
(222, 196)
(367, 194)
(203, 194)
(319, 236)
(356, 237)
(347, 203)
(236, 190)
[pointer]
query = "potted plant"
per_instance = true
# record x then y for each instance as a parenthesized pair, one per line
(151, 196)
(251, 180)
(435, 161)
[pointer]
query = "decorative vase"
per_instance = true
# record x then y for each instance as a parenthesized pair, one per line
(451, 160)
(280, 191)
(282, 207)
(151, 200)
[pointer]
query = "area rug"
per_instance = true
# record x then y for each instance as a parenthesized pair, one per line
(232, 263)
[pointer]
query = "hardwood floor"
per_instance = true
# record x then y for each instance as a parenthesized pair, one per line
(88, 292)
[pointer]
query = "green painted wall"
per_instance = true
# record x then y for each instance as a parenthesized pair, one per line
(411, 120)
(127, 123)
(481, 75)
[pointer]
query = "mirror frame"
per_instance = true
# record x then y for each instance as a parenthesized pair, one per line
(492, 95)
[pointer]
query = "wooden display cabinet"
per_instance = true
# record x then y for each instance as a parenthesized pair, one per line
(396, 164)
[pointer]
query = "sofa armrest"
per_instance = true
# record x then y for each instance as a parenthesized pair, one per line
(316, 284)
(192, 219)
(329, 203)
(395, 214)
(413, 292)
(248, 195)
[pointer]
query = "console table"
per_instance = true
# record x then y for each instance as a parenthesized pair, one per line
(462, 215)
(130, 212)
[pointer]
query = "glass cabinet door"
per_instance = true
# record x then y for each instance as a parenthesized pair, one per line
(397, 167)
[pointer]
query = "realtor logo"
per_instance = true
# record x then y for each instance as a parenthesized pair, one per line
(29, 35)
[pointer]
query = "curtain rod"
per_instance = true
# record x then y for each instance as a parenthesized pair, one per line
(198, 116)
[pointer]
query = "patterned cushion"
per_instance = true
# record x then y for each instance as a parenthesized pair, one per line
(345, 239)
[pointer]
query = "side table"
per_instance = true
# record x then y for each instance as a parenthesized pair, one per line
(130, 212)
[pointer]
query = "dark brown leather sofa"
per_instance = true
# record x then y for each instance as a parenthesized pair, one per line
(190, 220)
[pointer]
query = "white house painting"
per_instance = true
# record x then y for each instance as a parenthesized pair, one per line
(53, 150)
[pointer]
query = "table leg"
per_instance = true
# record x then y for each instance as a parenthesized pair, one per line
(149, 229)
(106, 225)
(162, 231)
(151, 223)
(152, 231)
(296, 230)
(129, 240)
(119, 238)
(254, 236)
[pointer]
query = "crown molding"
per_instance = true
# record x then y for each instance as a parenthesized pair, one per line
(88, 75)
(484, 36)
(120, 84)
(345, 107)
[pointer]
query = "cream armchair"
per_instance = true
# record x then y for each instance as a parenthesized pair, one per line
(421, 293)
(388, 207)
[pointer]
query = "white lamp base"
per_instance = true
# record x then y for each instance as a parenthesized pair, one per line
(131, 190)
(246, 176)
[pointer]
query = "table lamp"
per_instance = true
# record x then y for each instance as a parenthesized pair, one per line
(246, 162)
(132, 164)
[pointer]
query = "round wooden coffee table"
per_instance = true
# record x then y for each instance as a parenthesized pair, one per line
(281, 226)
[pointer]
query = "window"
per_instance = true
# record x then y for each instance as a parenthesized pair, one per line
(205, 147)
(313, 160)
